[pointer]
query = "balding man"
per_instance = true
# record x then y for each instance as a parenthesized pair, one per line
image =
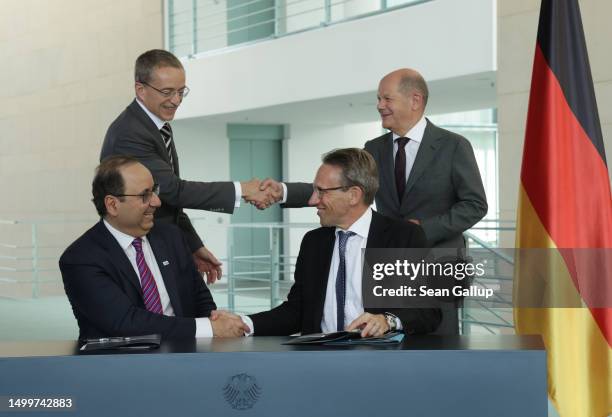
(428, 175)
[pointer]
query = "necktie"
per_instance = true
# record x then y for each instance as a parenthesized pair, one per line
(341, 279)
(400, 167)
(150, 294)
(166, 133)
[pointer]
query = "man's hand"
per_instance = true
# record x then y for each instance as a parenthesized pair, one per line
(274, 189)
(370, 325)
(415, 221)
(208, 264)
(226, 324)
(262, 194)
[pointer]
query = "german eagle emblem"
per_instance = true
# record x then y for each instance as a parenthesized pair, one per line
(241, 391)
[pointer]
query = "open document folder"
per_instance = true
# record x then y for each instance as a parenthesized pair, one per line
(346, 338)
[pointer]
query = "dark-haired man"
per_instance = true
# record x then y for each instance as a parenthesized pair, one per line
(126, 276)
(142, 131)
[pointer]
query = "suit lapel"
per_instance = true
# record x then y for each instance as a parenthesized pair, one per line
(387, 170)
(117, 255)
(427, 152)
(151, 128)
(167, 270)
(377, 232)
(326, 251)
(174, 156)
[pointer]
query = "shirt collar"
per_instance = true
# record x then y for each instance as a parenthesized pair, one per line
(361, 226)
(158, 122)
(416, 133)
(125, 241)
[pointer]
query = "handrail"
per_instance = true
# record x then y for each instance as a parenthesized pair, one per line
(195, 20)
(25, 264)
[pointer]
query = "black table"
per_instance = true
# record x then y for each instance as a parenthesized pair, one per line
(423, 376)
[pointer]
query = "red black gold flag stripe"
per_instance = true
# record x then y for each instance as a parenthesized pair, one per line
(565, 202)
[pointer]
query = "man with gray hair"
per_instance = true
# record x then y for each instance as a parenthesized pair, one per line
(428, 175)
(326, 295)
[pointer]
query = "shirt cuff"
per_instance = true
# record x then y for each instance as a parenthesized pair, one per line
(247, 320)
(203, 327)
(284, 199)
(238, 189)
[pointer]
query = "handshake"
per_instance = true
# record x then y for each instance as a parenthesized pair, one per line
(262, 194)
(226, 324)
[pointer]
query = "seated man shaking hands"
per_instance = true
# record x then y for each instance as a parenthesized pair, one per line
(326, 296)
(126, 276)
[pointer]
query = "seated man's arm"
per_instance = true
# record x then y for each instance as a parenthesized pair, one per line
(104, 309)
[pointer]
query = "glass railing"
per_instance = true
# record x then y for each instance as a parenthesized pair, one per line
(31, 286)
(197, 26)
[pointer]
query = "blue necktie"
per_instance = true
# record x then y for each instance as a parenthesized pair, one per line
(341, 279)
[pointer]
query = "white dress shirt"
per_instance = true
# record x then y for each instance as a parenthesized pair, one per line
(353, 305)
(160, 123)
(203, 326)
(412, 147)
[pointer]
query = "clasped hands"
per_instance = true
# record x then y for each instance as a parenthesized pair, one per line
(226, 324)
(262, 194)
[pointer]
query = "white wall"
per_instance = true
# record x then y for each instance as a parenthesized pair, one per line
(442, 38)
(67, 72)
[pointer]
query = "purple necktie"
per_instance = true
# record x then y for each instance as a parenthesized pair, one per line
(400, 167)
(150, 294)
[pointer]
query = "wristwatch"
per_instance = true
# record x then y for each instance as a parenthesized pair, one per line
(391, 321)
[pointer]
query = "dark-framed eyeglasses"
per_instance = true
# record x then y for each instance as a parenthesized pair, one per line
(146, 195)
(169, 92)
(321, 191)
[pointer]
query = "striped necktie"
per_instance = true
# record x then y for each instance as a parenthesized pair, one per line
(341, 279)
(166, 133)
(150, 294)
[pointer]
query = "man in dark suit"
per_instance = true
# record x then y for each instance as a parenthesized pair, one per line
(142, 131)
(428, 175)
(326, 295)
(125, 277)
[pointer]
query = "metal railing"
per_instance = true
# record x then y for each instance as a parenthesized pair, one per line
(194, 27)
(252, 282)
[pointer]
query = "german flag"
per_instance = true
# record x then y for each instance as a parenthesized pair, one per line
(565, 203)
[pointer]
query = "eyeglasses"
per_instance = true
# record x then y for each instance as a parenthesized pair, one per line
(321, 191)
(146, 195)
(169, 92)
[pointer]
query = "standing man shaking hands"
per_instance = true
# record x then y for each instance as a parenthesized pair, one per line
(143, 131)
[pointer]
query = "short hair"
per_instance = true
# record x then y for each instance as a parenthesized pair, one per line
(358, 169)
(108, 180)
(411, 82)
(155, 58)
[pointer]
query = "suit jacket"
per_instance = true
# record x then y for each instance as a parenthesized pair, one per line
(134, 133)
(444, 189)
(303, 310)
(105, 293)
